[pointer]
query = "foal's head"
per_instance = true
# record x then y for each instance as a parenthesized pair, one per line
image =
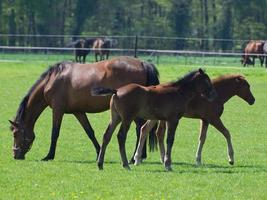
(203, 85)
(22, 144)
(243, 90)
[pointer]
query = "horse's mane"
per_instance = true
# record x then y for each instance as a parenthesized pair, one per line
(56, 68)
(185, 79)
(227, 77)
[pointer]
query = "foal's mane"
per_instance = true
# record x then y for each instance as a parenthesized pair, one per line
(185, 79)
(56, 68)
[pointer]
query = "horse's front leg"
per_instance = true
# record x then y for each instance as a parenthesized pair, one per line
(146, 128)
(96, 57)
(82, 118)
(220, 127)
(172, 125)
(202, 138)
(115, 120)
(139, 123)
(57, 119)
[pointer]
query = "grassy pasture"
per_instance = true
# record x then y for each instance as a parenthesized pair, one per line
(74, 175)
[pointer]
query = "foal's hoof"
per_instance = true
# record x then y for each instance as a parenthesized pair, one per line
(47, 158)
(127, 167)
(131, 161)
(100, 166)
(168, 168)
(231, 162)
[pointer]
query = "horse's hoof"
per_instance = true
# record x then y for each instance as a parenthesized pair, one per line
(127, 167)
(168, 168)
(100, 166)
(47, 158)
(231, 162)
(131, 161)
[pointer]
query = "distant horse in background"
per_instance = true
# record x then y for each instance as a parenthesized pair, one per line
(101, 47)
(81, 49)
(208, 112)
(265, 52)
(253, 47)
(65, 87)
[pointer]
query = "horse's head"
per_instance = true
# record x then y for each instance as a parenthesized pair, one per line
(204, 86)
(22, 143)
(243, 90)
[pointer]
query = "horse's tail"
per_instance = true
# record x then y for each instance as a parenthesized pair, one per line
(152, 79)
(101, 91)
(152, 74)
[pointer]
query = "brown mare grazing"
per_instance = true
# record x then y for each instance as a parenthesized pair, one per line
(65, 88)
(162, 102)
(253, 47)
(210, 112)
(101, 48)
(81, 49)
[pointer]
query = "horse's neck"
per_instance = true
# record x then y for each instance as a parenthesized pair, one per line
(35, 106)
(225, 91)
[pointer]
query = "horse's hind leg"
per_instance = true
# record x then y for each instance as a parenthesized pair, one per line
(57, 119)
(144, 131)
(122, 135)
(160, 132)
(220, 127)
(82, 118)
(115, 120)
(202, 138)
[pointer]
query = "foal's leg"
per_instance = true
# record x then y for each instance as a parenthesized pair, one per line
(220, 127)
(82, 118)
(172, 125)
(160, 132)
(202, 137)
(146, 128)
(139, 123)
(115, 120)
(122, 135)
(57, 119)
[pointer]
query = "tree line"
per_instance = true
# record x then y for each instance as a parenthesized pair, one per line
(227, 19)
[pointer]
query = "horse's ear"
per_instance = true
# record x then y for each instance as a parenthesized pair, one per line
(15, 124)
(239, 78)
(201, 71)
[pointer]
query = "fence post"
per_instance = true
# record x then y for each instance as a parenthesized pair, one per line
(135, 46)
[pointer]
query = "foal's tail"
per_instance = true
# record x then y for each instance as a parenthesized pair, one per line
(101, 91)
(152, 79)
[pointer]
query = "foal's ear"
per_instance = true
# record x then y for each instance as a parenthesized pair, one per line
(239, 78)
(201, 71)
(15, 124)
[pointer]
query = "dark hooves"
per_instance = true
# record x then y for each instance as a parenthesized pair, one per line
(100, 166)
(47, 158)
(231, 162)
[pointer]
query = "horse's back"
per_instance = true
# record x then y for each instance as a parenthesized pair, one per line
(71, 87)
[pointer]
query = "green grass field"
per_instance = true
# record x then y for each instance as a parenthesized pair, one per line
(74, 174)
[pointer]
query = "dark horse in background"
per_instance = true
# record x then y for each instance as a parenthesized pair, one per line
(210, 113)
(65, 88)
(253, 47)
(265, 52)
(101, 48)
(82, 49)
(162, 102)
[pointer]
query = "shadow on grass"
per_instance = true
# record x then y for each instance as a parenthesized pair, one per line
(179, 167)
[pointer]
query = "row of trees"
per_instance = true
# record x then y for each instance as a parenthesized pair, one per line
(228, 19)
